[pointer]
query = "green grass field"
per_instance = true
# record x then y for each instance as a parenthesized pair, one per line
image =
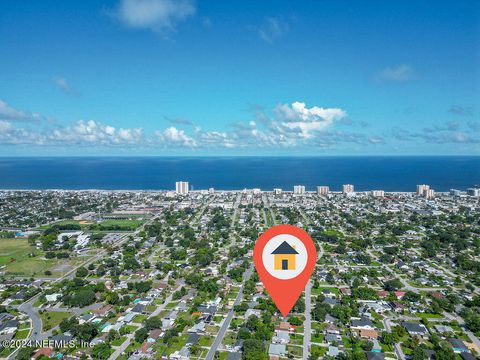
(16, 260)
(50, 319)
(116, 225)
(22, 334)
(15, 255)
(83, 224)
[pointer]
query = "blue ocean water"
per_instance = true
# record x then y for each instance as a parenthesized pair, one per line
(230, 173)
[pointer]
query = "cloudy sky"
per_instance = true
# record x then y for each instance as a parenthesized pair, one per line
(214, 77)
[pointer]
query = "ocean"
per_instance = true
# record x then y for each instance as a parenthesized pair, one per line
(232, 173)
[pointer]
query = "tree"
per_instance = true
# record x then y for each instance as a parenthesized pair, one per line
(419, 353)
(85, 332)
(141, 335)
(388, 338)
(393, 285)
(153, 323)
(81, 272)
(445, 354)
(194, 349)
(112, 335)
(296, 321)
(80, 298)
(243, 333)
(112, 298)
(254, 350)
(25, 353)
(101, 351)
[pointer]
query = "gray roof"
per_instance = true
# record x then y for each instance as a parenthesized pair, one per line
(277, 349)
(458, 344)
(363, 322)
(193, 339)
(234, 355)
(415, 328)
(284, 248)
(371, 355)
(467, 356)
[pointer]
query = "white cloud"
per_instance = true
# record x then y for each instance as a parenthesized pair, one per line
(307, 120)
(5, 126)
(400, 73)
(272, 29)
(93, 132)
(8, 112)
(288, 125)
(64, 85)
(173, 136)
(157, 15)
(445, 134)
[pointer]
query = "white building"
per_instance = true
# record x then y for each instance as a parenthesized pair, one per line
(323, 190)
(277, 191)
(378, 193)
(181, 187)
(299, 189)
(421, 189)
(348, 188)
(429, 194)
(473, 192)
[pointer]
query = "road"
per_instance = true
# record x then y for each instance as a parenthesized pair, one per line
(130, 337)
(461, 322)
(198, 215)
(228, 319)
(28, 309)
(398, 347)
(235, 209)
(307, 324)
(406, 285)
(31, 311)
(267, 205)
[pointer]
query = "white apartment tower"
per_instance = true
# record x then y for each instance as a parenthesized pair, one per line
(181, 187)
(323, 190)
(421, 189)
(473, 192)
(348, 188)
(299, 189)
(429, 194)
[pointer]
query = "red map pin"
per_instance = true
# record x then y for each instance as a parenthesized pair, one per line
(284, 257)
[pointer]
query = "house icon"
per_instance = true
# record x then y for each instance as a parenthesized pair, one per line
(284, 256)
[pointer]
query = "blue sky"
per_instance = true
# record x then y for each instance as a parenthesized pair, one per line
(184, 77)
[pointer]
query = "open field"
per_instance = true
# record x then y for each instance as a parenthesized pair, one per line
(50, 319)
(117, 224)
(111, 224)
(18, 258)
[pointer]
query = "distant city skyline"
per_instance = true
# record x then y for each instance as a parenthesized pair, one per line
(193, 78)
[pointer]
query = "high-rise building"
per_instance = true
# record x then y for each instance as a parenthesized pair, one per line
(181, 187)
(299, 189)
(323, 190)
(348, 188)
(473, 192)
(378, 193)
(455, 192)
(421, 189)
(277, 191)
(429, 194)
